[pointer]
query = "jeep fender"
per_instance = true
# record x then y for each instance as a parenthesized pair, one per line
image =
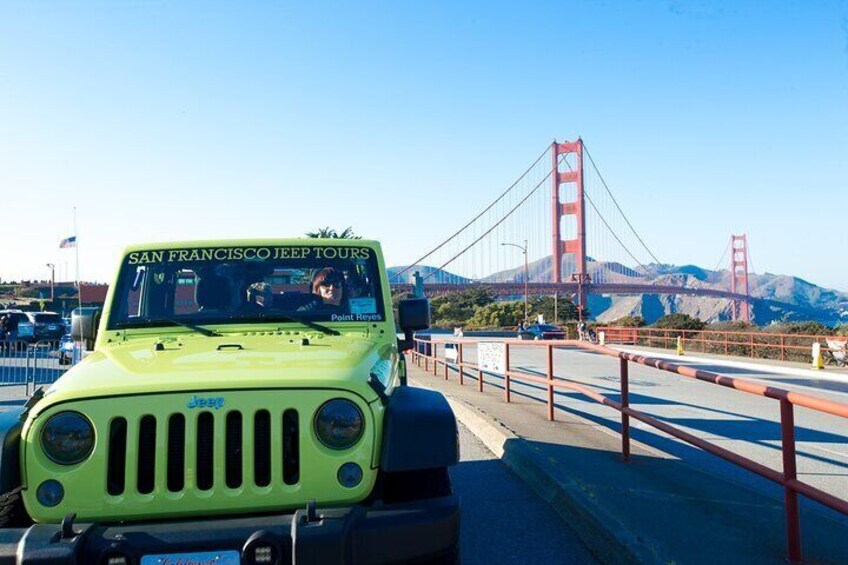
(10, 439)
(419, 431)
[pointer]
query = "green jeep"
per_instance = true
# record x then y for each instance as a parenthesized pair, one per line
(245, 402)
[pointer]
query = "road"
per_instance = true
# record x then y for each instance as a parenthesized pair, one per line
(743, 423)
(503, 521)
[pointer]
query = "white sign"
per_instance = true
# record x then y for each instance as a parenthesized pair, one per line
(491, 355)
(451, 352)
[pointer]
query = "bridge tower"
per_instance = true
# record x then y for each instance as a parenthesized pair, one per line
(576, 208)
(739, 276)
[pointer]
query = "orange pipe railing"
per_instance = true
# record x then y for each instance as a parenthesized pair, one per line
(764, 344)
(428, 352)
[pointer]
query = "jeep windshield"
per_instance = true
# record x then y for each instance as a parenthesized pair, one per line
(236, 285)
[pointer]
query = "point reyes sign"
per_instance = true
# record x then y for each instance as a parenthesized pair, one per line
(246, 254)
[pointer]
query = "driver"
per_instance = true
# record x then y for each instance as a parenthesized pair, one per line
(328, 285)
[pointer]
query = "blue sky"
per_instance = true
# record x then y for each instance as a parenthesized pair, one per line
(166, 120)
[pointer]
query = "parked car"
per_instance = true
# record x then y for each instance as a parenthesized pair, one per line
(541, 331)
(26, 329)
(47, 325)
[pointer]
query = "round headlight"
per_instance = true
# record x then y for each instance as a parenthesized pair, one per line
(338, 424)
(67, 438)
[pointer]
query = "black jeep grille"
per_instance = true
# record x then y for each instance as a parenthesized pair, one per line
(237, 450)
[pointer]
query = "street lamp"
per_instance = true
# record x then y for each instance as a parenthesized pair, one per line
(523, 249)
(52, 268)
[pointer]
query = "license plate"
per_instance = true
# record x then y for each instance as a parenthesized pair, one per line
(200, 558)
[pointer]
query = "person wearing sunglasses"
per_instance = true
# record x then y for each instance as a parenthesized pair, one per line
(328, 285)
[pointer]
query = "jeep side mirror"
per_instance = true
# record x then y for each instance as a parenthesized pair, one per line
(84, 326)
(413, 314)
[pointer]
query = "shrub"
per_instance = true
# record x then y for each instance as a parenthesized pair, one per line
(498, 315)
(629, 322)
(679, 322)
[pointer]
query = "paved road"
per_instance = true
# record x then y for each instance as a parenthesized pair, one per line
(503, 521)
(740, 422)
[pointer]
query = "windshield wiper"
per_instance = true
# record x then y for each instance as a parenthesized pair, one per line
(170, 321)
(284, 318)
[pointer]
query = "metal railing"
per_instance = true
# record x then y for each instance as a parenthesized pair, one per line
(33, 364)
(763, 345)
(427, 352)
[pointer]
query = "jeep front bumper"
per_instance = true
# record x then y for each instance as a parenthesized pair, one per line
(425, 531)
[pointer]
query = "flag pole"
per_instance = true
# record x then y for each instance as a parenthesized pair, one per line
(76, 250)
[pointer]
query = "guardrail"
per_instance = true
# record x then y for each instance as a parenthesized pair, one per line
(765, 345)
(427, 351)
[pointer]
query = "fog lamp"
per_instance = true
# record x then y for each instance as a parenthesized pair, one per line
(50, 493)
(350, 475)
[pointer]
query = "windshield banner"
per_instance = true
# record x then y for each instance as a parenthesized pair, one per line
(246, 254)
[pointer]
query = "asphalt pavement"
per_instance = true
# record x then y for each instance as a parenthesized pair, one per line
(503, 521)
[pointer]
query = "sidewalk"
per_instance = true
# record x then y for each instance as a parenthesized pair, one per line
(654, 509)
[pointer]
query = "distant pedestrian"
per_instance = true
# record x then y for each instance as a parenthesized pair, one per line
(581, 330)
(9, 326)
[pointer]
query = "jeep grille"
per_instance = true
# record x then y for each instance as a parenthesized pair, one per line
(238, 450)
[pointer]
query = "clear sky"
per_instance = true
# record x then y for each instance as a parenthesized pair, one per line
(166, 120)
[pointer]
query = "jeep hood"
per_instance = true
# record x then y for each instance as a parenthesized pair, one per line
(232, 362)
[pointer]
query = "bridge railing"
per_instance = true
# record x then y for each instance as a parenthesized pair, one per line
(760, 345)
(426, 351)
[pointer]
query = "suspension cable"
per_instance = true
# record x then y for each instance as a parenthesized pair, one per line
(507, 215)
(397, 275)
(720, 261)
(600, 176)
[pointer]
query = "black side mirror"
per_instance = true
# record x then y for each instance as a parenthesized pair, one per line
(84, 326)
(413, 315)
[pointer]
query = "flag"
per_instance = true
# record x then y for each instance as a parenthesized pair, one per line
(68, 242)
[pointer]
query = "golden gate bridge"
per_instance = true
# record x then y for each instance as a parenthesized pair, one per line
(558, 229)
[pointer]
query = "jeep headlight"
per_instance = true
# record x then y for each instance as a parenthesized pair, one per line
(338, 423)
(67, 438)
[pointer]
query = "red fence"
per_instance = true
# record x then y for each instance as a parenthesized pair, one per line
(428, 353)
(764, 345)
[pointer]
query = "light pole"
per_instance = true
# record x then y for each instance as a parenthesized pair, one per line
(52, 268)
(526, 273)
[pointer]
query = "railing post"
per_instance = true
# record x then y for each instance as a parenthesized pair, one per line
(550, 382)
(782, 348)
(506, 373)
(459, 364)
(790, 474)
(625, 403)
(479, 376)
(446, 361)
(435, 358)
(752, 345)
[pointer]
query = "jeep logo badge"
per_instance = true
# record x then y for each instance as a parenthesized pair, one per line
(215, 402)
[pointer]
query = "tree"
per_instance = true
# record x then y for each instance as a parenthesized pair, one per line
(629, 322)
(330, 233)
(565, 308)
(498, 315)
(679, 322)
(456, 308)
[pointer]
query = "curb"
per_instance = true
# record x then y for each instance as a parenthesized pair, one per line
(606, 537)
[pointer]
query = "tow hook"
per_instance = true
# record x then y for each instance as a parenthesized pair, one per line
(311, 515)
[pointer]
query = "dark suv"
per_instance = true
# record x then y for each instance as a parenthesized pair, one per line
(541, 331)
(47, 326)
